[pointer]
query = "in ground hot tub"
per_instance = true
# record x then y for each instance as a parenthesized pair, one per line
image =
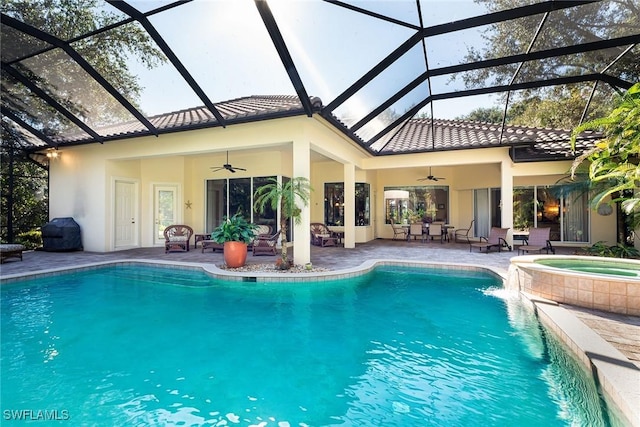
(600, 266)
(593, 282)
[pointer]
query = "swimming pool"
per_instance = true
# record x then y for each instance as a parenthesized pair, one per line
(399, 346)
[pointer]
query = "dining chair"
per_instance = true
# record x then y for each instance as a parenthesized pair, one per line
(415, 231)
(399, 230)
(435, 231)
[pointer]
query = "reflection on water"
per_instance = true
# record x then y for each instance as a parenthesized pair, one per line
(401, 346)
(571, 386)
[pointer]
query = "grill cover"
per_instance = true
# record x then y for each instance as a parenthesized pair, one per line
(61, 234)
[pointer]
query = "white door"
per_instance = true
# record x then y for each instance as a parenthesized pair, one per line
(165, 210)
(126, 214)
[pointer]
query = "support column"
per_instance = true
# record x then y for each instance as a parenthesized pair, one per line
(349, 205)
(506, 195)
(301, 232)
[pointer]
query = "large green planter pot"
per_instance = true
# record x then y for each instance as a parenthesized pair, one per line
(235, 254)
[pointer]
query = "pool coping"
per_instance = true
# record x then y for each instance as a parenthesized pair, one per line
(618, 377)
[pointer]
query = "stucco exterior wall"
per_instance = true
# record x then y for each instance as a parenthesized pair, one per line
(77, 188)
(82, 179)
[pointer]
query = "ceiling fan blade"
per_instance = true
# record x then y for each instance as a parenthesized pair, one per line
(226, 166)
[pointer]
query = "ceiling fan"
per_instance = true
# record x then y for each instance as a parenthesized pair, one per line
(430, 177)
(226, 166)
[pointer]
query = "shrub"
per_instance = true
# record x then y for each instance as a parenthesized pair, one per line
(30, 239)
(616, 251)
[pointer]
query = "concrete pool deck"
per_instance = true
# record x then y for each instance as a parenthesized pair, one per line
(620, 331)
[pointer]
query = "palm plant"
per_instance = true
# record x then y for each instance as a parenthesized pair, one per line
(614, 161)
(284, 195)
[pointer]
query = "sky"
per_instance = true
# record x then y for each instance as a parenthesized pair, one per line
(227, 49)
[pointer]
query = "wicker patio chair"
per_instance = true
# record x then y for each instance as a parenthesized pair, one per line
(177, 237)
(322, 236)
(265, 244)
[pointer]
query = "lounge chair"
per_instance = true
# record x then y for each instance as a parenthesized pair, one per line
(176, 238)
(399, 230)
(538, 240)
(497, 238)
(322, 236)
(265, 244)
(462, 234)
(10, 250)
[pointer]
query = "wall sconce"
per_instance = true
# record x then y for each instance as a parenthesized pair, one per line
(52, 153)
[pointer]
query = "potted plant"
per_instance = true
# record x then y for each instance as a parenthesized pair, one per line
(283, 195)
(235, 234)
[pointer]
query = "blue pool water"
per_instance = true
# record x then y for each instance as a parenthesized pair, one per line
(397, 347)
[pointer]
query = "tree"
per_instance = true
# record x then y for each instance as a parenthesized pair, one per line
(575, 25)
(487, 115)
(614, 169)
(24, 208)
(108, 52)
(284, 195)
(560, 108)
(557, 106)
(24, 193)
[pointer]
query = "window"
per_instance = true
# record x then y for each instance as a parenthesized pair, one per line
(240, 197)
(268, 217)
(229, 196)
(363, 197)
(334, 203)
(565, 213)
(424, 203)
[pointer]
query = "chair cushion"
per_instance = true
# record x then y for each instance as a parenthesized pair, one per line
(11, 247)
(322, 235)
(177, 238)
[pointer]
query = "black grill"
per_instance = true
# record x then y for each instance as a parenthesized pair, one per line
(61, 234)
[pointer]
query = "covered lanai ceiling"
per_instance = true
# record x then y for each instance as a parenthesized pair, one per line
(366, 66)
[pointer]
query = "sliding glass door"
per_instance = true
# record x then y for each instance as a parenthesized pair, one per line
(565, 213)
(486, 210)
(226, 197)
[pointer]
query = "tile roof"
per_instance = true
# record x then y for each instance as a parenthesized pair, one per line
(414, 136)
(419, 136)
(239, 110)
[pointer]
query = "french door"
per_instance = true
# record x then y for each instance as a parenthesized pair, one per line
(165, 202)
